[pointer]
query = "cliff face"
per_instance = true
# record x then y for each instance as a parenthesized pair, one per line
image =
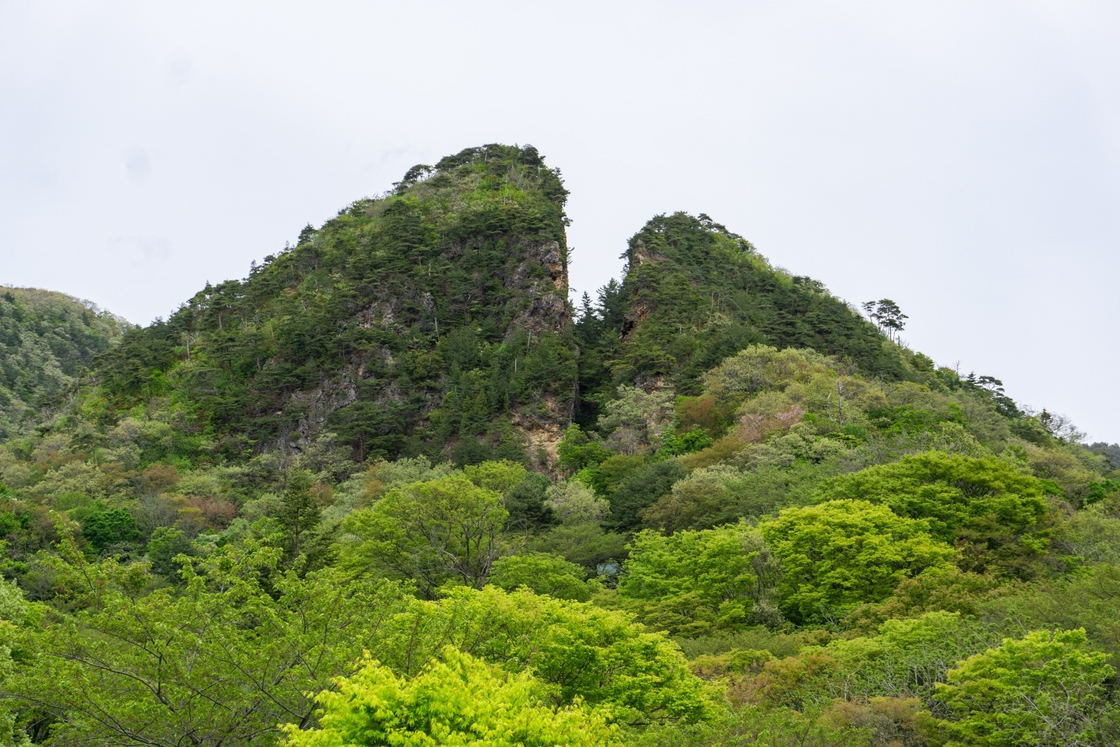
(433, 318)
(47, 341)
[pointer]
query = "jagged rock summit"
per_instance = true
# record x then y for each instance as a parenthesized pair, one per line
(432, 317)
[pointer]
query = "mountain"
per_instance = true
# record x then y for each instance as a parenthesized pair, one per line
(694, 293)
(433, 316)
(47, 341)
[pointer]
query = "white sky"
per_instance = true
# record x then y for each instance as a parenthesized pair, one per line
(962, 159)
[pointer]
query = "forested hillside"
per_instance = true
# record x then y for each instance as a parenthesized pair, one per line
(391, 489)
(434, 315)
(47, 340)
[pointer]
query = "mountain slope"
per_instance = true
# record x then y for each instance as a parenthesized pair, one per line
(694, 293)
(47, 340)
(433, 316)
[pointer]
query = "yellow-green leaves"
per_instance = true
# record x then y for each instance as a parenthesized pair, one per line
(447, 529)
(576, 650)
(693, 583)
(543, 573)
(1045, 688)
(839, 554)
(990, 511)
(458, 700)
(221, 662)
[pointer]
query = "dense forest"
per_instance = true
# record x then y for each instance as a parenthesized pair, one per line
(47, 341)
(392, 488)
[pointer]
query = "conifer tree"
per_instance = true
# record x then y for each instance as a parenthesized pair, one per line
(299, 513)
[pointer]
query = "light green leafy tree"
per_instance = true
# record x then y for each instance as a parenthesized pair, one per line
(995, 515)
(457, 700)
(14, 614)
(572, 502)
(500, 476)
(543, 573)
(1046, 688)
(839, 554)
(694, 582)
(444, 530)
(578, 651)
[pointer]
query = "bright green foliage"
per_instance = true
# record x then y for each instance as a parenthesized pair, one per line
(579, 652)
(457, 701)
(447, 529)
(222, 663)
(523, 493)
(685, 443)
(47, 340)
(692, 583)
(241, 445)
(991, 512)
(839, 554)
(543, 573)
(1087, 600)
(501, 477)
(1045, 688)
(13, 615)
(419, 317)
(939, 588)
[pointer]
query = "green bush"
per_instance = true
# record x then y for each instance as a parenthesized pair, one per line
(543, 573)
(693, 583)
(839, 554)
(457, 700)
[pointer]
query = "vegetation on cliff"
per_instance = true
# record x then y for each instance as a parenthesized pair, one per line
(434, 314)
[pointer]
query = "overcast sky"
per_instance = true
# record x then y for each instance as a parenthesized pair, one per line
(962, 159)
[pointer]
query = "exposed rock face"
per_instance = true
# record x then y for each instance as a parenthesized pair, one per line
(537, 306)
